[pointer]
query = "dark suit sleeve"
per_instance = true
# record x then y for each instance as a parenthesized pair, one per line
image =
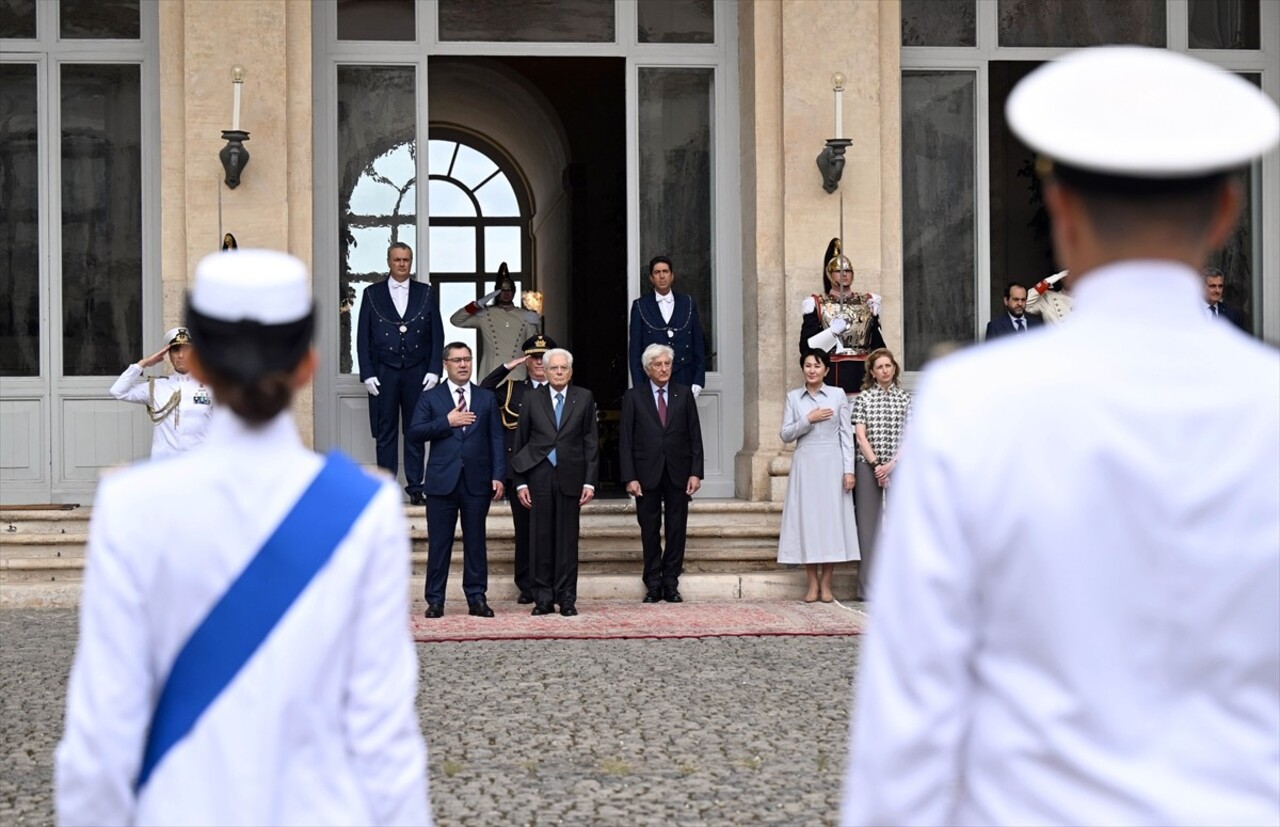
(810, 325)
(626, 439)
(992, 332)
(429, 423)
(435, 345)
(521, 438)
(364, 336)
(495, 377)
(497, 444)
(636, 346)
(590, 448)
(694, 423)
(699, 346)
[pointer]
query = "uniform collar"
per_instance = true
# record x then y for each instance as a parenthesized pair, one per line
(1142, 290)
(230, 431)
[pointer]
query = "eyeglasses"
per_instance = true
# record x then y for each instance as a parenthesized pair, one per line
(459, 360)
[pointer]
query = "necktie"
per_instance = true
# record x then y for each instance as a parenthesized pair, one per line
(462, 405)
(1214, 308)
(551, 457)
(1022, 325)
(662, 406)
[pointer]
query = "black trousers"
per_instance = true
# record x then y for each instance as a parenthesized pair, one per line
(520, 520)
(553, 531)
(392, 412)
(662, 569)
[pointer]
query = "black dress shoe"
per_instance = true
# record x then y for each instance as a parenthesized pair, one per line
(480, 609)
(525, 598)
(417, 499)
(568, 611)
(543, 610)
(435, 610)
(652, 597)
(673, 596)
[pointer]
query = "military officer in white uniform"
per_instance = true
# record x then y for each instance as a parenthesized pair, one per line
(245, 660)
(179, 405)
(1112, 655)
(503, 325)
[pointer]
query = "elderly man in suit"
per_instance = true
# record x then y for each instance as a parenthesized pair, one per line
(399, 338)
(665, 317)
(555, 463)
(661, 462)
(1015, 319)
(464, 473)
(511, 393)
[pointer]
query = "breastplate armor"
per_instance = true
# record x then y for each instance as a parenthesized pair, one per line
(857, 316)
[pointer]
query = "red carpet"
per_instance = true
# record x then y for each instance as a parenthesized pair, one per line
(601, 620)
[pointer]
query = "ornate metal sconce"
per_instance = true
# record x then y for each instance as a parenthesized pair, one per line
(831, 159)
(234, 156)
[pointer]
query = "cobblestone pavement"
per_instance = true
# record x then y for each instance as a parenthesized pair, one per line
(626, 732)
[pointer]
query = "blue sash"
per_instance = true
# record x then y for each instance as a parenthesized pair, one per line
(256, 601)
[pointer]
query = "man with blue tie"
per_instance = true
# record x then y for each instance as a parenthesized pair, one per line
(399, 338)
(464, 474)
(665, 317)
(1015, 319)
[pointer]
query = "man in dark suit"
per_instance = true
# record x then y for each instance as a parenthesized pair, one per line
(661, 460)
(1015, 319)
(511, 393)
(555, 464)
(464, 473)
(1214, 284)
(399, 339)
(665, 317)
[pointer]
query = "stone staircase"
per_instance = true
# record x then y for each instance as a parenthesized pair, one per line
(730, 555)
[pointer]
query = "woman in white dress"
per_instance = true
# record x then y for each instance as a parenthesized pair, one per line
(818, 525)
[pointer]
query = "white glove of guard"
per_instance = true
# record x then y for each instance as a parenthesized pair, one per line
(372, 384)
(430, 381)
(808, 305)
(874, 302)
(838, 326)
(489, 298)
(697, 389)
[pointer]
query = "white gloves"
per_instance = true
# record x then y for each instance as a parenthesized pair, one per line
(430, 381)
(808, 305)
(372, 384)
(697, 389)
(874, 303)
(1056, 277)
(838, 326)
(489, 299)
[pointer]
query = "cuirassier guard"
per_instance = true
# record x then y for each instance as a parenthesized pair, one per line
(842, 322)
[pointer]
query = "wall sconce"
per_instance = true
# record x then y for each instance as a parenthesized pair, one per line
(831, 159)
(234, 156)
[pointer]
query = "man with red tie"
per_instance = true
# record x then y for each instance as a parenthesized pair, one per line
(661, 461)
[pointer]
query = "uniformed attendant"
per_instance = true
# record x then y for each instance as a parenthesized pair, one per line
(511, 393)
(502, 325)
(245, 660)
(850, 319)
(1112, 655)
(665, 317)
(399, 343)
(179, 405)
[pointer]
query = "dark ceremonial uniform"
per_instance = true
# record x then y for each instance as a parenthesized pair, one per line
(682, 333)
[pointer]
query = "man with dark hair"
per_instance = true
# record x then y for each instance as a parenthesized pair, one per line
(1015, 319)
(665, 317)
(399, 339)
(1214, 284)
(1111, 656)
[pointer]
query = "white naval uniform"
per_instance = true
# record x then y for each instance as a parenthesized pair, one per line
(320, 725)
(1110, 655)
(185, 427)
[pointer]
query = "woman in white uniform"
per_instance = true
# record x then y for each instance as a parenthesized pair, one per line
(179, 405)
(818, 525)
(247, 661)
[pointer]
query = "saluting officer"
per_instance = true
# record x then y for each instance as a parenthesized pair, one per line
(179, 405)
(400, 343)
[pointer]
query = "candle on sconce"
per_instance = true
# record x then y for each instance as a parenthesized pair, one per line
(237, 80)
(837, 85)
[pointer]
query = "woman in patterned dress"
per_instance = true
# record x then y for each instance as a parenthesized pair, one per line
(818, 525)
(879, 414)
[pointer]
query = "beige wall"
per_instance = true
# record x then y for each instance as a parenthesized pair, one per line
(200, 40)
(788, 53)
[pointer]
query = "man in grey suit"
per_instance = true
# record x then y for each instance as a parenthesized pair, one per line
(555, 463)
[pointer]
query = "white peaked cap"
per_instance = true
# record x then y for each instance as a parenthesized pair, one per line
(1142, 113)
(171, 336)
(263, 286)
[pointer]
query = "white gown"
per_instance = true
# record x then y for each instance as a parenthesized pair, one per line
(318, 727)
(818, 524)
(185, 427)
(1111, 654)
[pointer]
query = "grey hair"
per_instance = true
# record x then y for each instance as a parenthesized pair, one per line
(557, 351)
(652, 352)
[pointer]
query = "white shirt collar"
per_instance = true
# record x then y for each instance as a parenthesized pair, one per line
(398, 285)
(653, 388)
(453, 389)
(667, 299)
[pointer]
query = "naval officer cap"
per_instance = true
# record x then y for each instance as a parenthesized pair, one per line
(250, 311)
(1138, 120)
(177, 337)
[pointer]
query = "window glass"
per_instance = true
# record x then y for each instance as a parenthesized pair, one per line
(18, 18)
(375, 20)
(939, 23)
(1240, 259)
(528, 21)
(101, 161)
(449, 199)
(1081, 22)
(99, 19)
(19, 222)
(497, 198)
(675, 182)
(938, 197)
(453, 249)
(377, 178)
(1223, 24)
(687, 21)
(455, 294)
(501, 244)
